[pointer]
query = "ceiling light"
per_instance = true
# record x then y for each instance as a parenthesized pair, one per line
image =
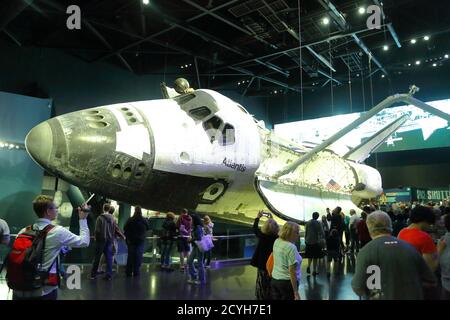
(362, 10)
(146, 2)
(413, 41)
(426, 38)
(385, 48)
(326, 21)
(446, 56)
(434, 64)
(418, 62)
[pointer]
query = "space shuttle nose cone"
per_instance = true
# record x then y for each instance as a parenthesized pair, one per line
(39, 142)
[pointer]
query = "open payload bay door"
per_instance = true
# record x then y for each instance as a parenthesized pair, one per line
(295, 203)
(324, 181)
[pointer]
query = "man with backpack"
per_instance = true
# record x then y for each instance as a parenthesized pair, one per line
(33, 264)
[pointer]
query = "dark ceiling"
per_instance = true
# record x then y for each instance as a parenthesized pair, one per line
(252, 46)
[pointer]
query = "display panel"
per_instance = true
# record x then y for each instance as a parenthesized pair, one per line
(422, 130)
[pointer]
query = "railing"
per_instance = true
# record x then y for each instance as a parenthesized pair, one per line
(232, 247)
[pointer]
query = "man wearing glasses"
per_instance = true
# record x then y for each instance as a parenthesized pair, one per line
(57, 238)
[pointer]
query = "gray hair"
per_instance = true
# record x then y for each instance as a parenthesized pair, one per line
(379, 222)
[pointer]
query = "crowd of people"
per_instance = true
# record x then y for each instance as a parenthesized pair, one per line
(34, 263)
(402, 251)
(403, 246)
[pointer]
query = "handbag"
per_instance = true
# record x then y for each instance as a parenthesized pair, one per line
(269, 265)
(205, 244)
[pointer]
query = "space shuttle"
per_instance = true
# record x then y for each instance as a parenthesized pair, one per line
(200, 150)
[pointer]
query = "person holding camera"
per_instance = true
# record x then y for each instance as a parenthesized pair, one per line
(266, 238)
(56, 238)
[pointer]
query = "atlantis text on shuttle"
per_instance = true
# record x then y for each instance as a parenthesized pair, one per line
(232, 165)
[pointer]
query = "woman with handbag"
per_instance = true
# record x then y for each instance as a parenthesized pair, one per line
(196, 276)
(208, 226)
(266, 237)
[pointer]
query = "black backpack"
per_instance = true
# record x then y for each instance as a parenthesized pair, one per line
(24, 262)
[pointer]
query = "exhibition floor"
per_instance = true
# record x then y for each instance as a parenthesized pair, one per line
(231, 282)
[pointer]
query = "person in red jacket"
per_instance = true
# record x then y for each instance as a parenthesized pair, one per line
(421, 219)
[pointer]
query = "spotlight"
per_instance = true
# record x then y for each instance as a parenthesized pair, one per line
(383, 76)
(385, 48)
(426, 38)
(146, 2)
(418, 62)
(446, 56)
(409, 64)
(362, 10)
(326, 21)
(434, 64)
(413, 41)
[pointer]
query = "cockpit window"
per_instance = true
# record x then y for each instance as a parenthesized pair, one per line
(182, 99)
(200, 113)
(212, 123)
(211, 127)
(227, 135)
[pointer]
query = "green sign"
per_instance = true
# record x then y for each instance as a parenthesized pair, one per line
(432, 194)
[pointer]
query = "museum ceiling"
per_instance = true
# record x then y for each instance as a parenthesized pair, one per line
(247, 46)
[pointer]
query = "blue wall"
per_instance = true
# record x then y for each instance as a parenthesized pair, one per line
(20, 176)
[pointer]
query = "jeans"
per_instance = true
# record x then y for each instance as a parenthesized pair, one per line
(347, 235)
(103, 247)
(166, 249)
(200, 274)
(354, 240)
(207, 258)
(134, 259)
